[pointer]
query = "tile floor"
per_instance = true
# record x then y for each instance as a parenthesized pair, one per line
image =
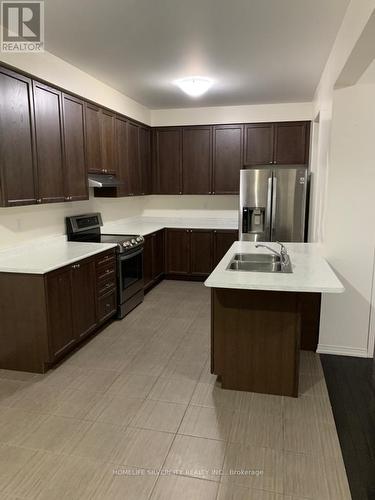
(138, 401)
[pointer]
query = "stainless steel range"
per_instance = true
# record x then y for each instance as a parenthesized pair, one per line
(129, 257)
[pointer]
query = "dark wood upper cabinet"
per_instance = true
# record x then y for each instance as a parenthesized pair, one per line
(133, 159)
(259, 140)
(145, 160)
(107, 119)
(291, 143)
(177, 259)
(227, 158)
(167, 143)
(18, 183)
(223, 240)
(76, 185)
(93, 138)
(197, 160)
(84, 298)
(49, 143)
(201, 241)
(121, 147)
(59, 306)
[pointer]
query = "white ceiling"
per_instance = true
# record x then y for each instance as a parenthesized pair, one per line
(257, 51)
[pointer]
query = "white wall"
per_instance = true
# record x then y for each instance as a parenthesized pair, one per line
(349, 240)
(21, 224)
(53, 69)
(232, 114)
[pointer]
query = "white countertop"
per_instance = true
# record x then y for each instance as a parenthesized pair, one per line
(148, 225)
(47, 255)
(311, 272)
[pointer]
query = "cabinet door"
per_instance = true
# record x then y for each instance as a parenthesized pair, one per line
(167, 160)
(200, 252)
(59, 307)
(291, 143)
(76, 184)
(147, 260)
(17, 141)
(49, 143)
(84, 298)
(223, 239)
(227, 158)
(177, 251)
(93, 138)
(123, 171)
(259, 139)
(158, 254)
(108, 141)
(145, 159)
(197, 160)
(133, 159)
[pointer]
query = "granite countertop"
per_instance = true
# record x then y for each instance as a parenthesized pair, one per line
(47, 255)
(311, 272)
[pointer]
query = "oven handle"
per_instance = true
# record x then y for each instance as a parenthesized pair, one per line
(131, 255)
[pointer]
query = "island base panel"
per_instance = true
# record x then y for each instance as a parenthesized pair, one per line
(255, 338)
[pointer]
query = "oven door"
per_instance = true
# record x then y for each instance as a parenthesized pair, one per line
(130, 269)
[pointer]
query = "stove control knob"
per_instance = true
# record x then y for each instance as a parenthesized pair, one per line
(139, 239)
(126, 244)
(133, 241)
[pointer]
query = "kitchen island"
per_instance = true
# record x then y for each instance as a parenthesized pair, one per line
(261, 320)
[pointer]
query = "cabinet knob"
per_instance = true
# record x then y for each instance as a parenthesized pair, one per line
(274, 161)
(39, 200)
(271, 162)
(180, 192)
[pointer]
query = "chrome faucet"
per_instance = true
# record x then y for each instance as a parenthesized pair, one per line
(283, 254)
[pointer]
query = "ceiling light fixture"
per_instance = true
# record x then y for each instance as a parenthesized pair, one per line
(194, 86)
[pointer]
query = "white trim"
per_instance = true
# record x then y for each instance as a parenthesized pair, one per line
(342, 350)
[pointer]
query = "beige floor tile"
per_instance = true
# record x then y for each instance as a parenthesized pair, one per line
(261, 404)
(92, 380)
(148, 364)
(304, 476)
(184, 488)
(196, 457)
(144, 448)
(173, 390)
(230, 491)
(212, 395)
(38, 398)
(101, 442)
(11, 390)
(180, 367)
(124, 486)
(133, 385)
(257, 430)
(254, 467)
(76, 404)
(213, 423)
(16, 424)
(307, 409)
(336, 478)
(310, 363)
(37, 476)
(18, 376)
(159, 416)
(74, 479)
(115, 410)
(12, 462)
(55, 434)
(312, 384)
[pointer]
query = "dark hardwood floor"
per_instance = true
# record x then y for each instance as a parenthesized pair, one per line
(351, 387)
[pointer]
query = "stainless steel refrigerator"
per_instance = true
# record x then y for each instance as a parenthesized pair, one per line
(273, 204)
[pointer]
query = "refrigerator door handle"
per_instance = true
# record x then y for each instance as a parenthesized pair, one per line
(269, 208)
(274, 198)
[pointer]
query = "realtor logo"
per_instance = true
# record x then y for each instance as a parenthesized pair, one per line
(22, 26)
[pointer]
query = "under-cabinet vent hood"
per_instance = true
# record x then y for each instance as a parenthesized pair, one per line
(103, 181)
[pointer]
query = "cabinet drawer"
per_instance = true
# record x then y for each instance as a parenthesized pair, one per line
(106, 284)
(107, 306)
(106, 259)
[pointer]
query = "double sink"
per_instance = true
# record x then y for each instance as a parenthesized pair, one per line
(260, 263)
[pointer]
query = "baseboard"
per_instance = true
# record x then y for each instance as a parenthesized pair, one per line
(342, 350)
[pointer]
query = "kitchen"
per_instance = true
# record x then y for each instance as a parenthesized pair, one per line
(156, 340)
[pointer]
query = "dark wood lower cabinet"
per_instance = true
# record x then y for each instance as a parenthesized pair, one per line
(177, 252)
(43, 317)
(201, 241)
(223, 240)
(153, 258)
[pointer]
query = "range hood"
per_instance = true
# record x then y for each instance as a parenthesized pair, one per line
(103, 181)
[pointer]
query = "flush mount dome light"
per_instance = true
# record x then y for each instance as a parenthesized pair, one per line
(194, 86)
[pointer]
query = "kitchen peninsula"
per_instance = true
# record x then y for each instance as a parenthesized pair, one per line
(261, 320)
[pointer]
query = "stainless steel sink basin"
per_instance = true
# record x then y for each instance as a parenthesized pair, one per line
(259, 262)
